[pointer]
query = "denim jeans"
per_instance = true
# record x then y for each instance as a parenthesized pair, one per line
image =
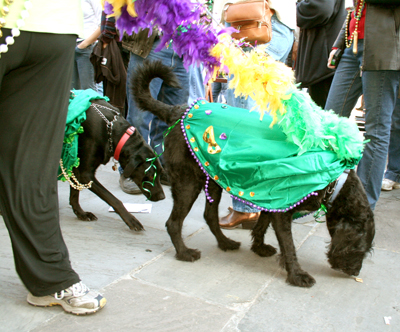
(148, 125)
(196, 83)
(393, 166)
(380, 89)
(278, 48)
(83, 75)
(219, 92)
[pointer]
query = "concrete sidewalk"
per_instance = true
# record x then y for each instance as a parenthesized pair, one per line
(147, 289)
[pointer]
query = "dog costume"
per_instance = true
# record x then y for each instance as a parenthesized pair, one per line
(254, 162)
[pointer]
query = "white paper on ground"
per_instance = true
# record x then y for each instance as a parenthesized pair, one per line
(138, 208)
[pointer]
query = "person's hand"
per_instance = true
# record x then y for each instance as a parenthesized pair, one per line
(105, 45)
(82, 45)
(330, 59)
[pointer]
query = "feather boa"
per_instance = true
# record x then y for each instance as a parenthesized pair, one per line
(256, 75)
(270, 83)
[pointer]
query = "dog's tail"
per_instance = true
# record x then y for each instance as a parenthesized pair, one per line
(140, 87)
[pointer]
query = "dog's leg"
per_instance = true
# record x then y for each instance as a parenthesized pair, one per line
(211, 217)
(76, 207)
(282, 223)
(184, 197)
(105, 195)
(259, 230)
(118, 206)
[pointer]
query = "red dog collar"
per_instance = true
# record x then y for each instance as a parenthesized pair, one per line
(123, 140)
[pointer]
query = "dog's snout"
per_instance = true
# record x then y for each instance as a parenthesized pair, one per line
(158, 197)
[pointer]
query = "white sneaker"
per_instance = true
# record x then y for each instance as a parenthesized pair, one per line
(77, 300)
(388, 185)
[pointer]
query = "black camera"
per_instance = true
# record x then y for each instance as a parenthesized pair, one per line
(336, 57)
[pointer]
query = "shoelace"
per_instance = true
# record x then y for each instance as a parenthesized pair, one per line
(78, 289)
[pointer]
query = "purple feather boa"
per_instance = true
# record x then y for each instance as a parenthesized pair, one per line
(175, 19)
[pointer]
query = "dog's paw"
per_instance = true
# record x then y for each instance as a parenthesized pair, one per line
(301, 279)
(229, 244)
(189, 255)
(136, 226)
(87, 216)
(264, 250)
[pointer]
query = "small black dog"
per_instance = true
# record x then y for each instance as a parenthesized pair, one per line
(135, 158)
(349, 219)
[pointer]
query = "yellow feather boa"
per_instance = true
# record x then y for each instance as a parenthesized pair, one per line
(118, 4)
(256, 75)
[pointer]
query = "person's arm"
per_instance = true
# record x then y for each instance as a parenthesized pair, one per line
(339, 43)
(109, 31)
(90, 40)
(314, 13)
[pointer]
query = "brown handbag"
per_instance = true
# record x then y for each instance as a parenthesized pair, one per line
(252, 18)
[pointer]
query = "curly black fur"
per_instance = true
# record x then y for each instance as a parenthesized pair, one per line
(94, 150)
(187, 181)
(351, 225)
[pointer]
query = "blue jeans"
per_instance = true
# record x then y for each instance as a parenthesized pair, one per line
(219, 91)
(148, 125)
(393, 166)
(83, 75)
(380, 89)
(278, 48)
(282, 40)
(196, 83)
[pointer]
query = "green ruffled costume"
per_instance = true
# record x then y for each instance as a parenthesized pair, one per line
(272, 168)
(79, 102)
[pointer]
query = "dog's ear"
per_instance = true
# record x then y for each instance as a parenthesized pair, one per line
(131, 166)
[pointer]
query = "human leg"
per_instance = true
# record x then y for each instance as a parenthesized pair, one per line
(196, 83)
(346, 87)
(393, 167)
(137, 118)
(28, 174)
(31, 135)
(85, 68)
(75, 83)
(319, 91)
(168, 95)
(216, 89)
(241, 213)
(380, 96)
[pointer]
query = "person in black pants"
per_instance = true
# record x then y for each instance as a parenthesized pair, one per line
(320, 22)
(35, 79)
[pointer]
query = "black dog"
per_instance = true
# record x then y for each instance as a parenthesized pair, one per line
(350, 220)
(95, 148)
(350, 223)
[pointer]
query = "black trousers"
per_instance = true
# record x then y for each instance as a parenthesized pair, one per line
(319, 91)
(35, 79)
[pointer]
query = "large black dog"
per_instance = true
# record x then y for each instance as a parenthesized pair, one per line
(349, 218)
(96, 146)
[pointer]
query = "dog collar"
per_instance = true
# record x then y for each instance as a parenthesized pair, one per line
(122, 141)
(339, 185)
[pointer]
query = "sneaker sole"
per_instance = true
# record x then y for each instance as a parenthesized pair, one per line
(396, 186)
(67, 308)
(131, 192)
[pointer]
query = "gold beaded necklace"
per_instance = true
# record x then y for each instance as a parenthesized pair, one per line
(354, 35)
